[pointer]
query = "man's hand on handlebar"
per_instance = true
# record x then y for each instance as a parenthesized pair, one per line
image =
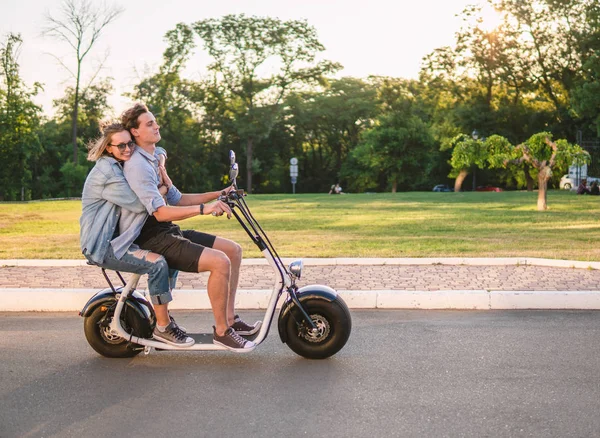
(228, 190)
(217, 208)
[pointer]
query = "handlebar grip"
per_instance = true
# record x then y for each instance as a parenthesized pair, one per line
(232, 195)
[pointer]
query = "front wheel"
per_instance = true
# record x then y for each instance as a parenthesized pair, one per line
(567, 186)
(333, 323)
(98, 335)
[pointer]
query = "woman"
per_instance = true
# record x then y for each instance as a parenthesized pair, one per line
(105, 193)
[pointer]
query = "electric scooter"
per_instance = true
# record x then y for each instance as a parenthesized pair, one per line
(314, 321)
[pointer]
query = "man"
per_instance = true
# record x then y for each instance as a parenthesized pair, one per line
(188, 250)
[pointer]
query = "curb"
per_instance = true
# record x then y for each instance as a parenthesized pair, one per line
(73, 300)
(345, 261)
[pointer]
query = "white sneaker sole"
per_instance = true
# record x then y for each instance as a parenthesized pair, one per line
(251, 332)
(176, 344)
(235, 350)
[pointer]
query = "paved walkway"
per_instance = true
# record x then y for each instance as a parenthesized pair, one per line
(342, 277)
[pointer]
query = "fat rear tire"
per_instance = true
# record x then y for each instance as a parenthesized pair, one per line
(334, 324)
(101, 340)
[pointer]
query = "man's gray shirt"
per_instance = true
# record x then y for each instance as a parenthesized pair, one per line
(141, 172)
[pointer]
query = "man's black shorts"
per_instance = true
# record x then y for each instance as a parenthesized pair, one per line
(181, 249)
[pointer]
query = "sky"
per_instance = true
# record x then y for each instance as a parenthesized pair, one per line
(374, 37)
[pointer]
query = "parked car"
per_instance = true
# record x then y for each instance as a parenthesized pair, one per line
(568, 182)
(443, 188)
(488, 189)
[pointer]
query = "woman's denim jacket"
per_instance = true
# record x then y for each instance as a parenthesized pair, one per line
(104, 194)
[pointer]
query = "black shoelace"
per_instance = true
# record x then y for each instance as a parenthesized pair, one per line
(178, 333)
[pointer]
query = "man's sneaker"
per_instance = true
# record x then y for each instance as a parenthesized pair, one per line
(182, 328)
(173, 335)
(241, 328)
(232, 341)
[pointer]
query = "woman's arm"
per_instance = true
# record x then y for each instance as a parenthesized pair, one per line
(117, 190)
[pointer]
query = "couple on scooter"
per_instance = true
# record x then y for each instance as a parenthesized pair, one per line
(126, 225)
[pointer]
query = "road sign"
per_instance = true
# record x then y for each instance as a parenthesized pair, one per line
(294, 172)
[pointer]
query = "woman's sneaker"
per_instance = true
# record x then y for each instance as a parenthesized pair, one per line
(182, 328)
(232, 341)
(243, 329)
(173, 335)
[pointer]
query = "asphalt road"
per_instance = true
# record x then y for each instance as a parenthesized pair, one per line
(403, 373)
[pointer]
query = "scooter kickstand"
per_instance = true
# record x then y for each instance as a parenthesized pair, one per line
(147, 350)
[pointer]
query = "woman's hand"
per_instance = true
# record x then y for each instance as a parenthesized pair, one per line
(166, 181)
(163, 190)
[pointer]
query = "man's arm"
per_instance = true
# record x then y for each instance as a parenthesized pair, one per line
(202, 198)
(143, 179)
(197, 198)
(168, 213)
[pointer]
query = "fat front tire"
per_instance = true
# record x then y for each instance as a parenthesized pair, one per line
(333, 323)
(100, 339)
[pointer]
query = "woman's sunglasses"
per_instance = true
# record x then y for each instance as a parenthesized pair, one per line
(122, 146)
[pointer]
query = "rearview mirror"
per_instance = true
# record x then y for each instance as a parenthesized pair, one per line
(233, 173)
(233, 169)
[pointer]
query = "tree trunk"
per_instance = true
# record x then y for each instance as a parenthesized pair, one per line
(460, 179)
(528, 177)
(75, 114)
(394, 185)
(249, 166)
(543, 177)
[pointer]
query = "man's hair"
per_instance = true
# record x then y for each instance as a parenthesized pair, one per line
(129, 118)
(97, 148)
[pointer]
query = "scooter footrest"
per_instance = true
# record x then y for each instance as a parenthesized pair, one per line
(202, 338)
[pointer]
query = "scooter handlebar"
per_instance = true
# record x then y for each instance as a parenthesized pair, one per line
(232, 195)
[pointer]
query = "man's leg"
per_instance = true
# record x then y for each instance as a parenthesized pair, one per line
(195, 253)
(219, 266)
(234, 252)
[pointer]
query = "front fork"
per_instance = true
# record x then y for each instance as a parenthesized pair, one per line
(292, 292)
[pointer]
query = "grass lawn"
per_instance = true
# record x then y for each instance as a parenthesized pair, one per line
(416, 224)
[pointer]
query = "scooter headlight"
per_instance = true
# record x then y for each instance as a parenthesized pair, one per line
(296, 268)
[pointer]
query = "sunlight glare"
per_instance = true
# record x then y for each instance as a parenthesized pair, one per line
(490, 18)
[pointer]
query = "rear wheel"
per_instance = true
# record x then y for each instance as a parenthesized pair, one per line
(100, 338)
(333, 323)
(567, 186)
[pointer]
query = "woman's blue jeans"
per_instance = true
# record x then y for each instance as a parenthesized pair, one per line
(160, 278)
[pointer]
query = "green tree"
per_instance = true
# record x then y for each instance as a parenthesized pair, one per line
(93, 109)
(397, 150)
(540, 152)
(19, 122)
(467, 154)
(321, 128)
(586, 96)
(257, 62)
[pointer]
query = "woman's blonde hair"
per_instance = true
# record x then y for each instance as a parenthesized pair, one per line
(97, 148)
